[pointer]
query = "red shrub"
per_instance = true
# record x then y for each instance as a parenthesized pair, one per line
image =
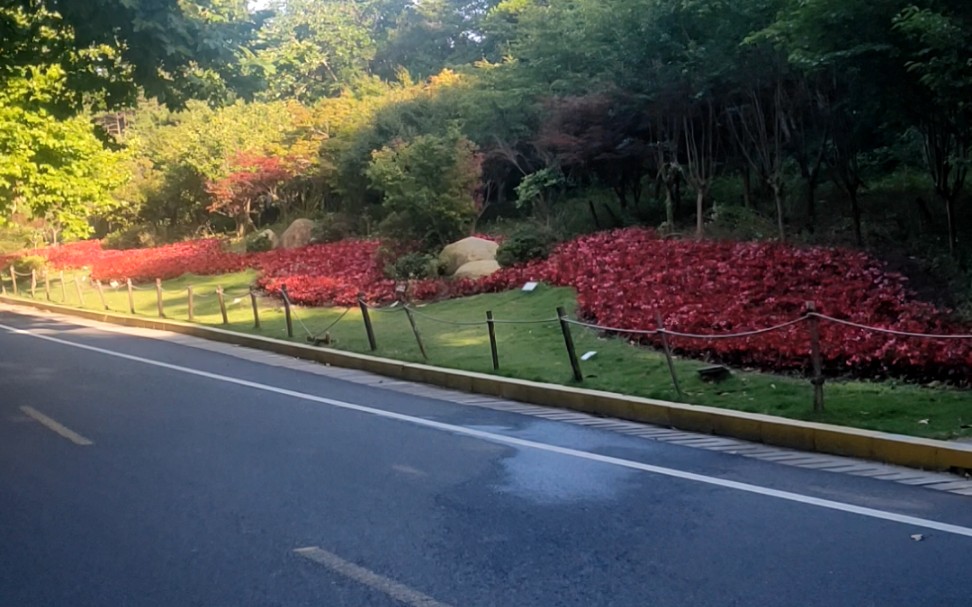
(623, 279)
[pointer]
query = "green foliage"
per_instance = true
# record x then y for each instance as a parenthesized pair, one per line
(734, 222)
(413, 266)
(535, 188)
(50, 168)
(14, 237)
(315, 48)
(132, 237)
(109, 50)
(259, 243)
(428, 186)
(332, 227)
(28, 263)
(526, 243)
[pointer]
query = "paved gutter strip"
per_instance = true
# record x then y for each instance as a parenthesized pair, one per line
(891, 451)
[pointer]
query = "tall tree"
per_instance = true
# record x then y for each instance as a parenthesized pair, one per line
(316, 48)
(110, 49)
(50, 168)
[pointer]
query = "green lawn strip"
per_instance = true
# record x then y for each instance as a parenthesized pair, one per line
(536, 352)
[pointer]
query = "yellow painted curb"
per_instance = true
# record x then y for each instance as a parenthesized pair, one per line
(806, 436)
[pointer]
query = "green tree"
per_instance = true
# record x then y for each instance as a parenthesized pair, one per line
(429, 187)
(50, 168)
(110, 49)
(316, 48)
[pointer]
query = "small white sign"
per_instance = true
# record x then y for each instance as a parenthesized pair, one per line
(530, 286)
(588, 355)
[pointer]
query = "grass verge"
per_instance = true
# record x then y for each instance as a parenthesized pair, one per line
(536, 352)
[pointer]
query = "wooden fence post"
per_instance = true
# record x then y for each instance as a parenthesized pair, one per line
(191, 304)
(63, 289)
(222, 304)
(569, 342)
(491, 326)
(3, 286)
(286, 299)
(33, 283)
(818, 377)
(47, 285)
(256, 309)
(668, 354)
(131, 296)
(101, 294)
(158, 297)
(77, 285)
(367, 322)
(418, 336)
(13, 279)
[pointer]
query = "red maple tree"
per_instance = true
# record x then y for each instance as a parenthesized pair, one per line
(253, 177)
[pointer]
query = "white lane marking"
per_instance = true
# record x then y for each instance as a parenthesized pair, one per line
(398, 591)
(528, 444)
(53, 425)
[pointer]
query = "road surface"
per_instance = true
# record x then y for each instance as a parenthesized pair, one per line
(139, 471)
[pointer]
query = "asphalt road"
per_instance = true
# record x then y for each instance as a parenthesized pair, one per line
(215, 481)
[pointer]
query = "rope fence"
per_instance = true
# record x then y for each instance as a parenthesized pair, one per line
(44, 280)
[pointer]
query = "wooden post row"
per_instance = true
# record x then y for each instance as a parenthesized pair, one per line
(191, 303)
(415, 331)
(101, 294)
(286, 300)
(158, 297)
(491, 326)
(668, 355)
(818, 378)
(367, 322)
(77, 286)
(222, 304)
(256, 309)
(569, 342)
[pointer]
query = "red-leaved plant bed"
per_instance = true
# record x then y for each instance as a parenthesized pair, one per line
(169, 261)
(624, 278)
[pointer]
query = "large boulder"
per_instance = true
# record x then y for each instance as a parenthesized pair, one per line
(298, 234)
(459, 253)
(477, 269)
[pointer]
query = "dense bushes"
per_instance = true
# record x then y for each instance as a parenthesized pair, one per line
(526, 244)
(429, 188)
(413, 265)
(259, 242)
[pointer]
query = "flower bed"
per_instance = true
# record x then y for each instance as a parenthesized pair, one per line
(624, 278)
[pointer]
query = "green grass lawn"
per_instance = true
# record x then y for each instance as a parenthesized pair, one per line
(536, 352)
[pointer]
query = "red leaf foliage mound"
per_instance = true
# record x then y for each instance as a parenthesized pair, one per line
(624, 278)
(165, 262)
(326, 274)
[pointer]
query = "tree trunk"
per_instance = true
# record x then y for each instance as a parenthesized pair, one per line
(677, 199)
(699, 210)
(952, 228)
(669, 209)
(856, 213)
(778, 198)
(747, 188)
(811, 203)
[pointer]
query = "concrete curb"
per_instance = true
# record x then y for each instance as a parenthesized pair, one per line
(898, 449)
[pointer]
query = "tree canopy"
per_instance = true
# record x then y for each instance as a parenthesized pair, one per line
(798, 118)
